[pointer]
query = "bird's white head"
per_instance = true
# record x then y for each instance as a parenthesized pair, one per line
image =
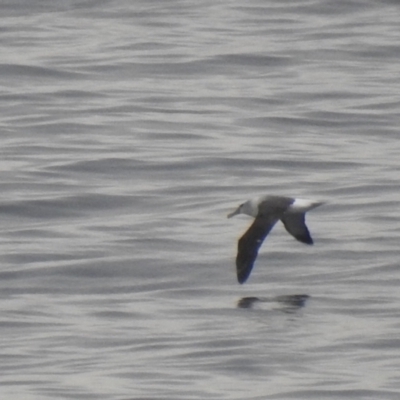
(250, 207)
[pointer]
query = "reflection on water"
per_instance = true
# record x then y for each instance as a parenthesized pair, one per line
(287, 303)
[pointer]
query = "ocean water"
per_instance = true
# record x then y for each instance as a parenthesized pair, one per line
(129, 130)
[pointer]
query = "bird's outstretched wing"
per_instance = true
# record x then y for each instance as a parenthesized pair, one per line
(296, 226)
(249, 244)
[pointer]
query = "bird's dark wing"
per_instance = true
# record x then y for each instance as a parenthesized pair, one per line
(296, 226)
(249, 244)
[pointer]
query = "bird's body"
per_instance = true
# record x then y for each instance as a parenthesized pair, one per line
(267, 211)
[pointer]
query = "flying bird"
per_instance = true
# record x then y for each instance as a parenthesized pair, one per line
(267, 211)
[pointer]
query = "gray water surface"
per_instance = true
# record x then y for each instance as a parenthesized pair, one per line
(129, 131)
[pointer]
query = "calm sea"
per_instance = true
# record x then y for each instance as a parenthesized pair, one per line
(129, 130)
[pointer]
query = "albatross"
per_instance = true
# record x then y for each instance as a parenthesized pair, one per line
(267, 211)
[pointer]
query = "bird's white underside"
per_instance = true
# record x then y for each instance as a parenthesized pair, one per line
(303, 205)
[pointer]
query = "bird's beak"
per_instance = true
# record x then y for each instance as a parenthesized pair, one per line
(236, 212)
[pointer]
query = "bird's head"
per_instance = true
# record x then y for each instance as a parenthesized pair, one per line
(249, 207)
